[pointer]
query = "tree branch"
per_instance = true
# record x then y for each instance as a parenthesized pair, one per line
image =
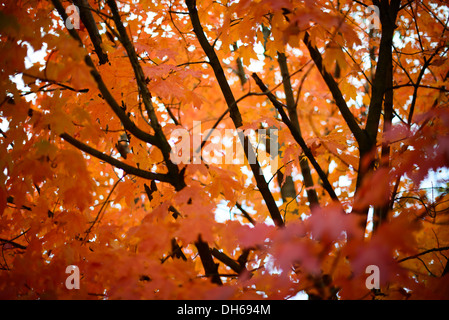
(116, 163)
(388, 14)
(234, 113)
(138, 72)
(380, 214)
(128, 124)
(12, 243)
(174, 176)
(89, 22)
(177, 180)
(245, 213)
(417, 85)
(423, 253)
(209, 265)
(292, 113)
(231, 263)
(215, 63)
(358, 133)
(297, 136)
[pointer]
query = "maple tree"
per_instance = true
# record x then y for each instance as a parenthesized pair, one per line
(356, 92)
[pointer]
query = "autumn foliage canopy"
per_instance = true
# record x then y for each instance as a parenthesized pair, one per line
(345, 113)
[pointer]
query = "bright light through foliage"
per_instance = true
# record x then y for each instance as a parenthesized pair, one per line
(224, 149)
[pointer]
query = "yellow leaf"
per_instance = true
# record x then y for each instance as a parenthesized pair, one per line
(106, 47)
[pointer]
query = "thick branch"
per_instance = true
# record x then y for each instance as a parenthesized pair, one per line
(231, 263)
(380, 213)
(209, 265)
(388, 13)
(358, 133)
(234, 113)
(121, 114)
(89, 22)
(174, 176)
(138, 72)
(292, 113)
(128, 124)
(215, 63)
(381, 82)
(163, 144)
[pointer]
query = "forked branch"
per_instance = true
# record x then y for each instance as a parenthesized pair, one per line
(297, 136)
(234, 112)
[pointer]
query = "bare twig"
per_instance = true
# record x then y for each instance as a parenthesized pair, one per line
(423, 253)
(106, 201)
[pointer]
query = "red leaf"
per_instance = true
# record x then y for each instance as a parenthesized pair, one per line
(291, 246)
(254, 236)
(375, 190)
(330, 223)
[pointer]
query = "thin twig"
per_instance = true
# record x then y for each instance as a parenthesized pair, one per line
(97, 218)
(423, 253)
